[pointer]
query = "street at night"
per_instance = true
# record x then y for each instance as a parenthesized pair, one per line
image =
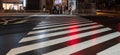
(59, 27)
(50, 28)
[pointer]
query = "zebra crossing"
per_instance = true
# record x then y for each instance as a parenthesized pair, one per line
(67, 36)
(110, 51)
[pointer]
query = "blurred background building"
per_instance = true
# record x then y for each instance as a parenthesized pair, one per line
(77, 5)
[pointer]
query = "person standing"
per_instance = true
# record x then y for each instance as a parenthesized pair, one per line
(44, 9)
(60, 10)
(70, 9)
(57, 9)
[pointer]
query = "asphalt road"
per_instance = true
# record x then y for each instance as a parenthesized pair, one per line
(108, 21)
(11, 34)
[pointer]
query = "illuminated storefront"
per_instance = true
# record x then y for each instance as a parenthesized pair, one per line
(13, 4)
(58, 2)
(66, 2)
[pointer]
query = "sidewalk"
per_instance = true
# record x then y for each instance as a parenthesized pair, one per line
(110, 11)
(21, 14)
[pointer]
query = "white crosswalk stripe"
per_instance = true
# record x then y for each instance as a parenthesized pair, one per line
(32, 32)
(114, 50)
(45, 32)
(83, 45)
(54, 34)
(56, 25)
(65, 22)
(52, 42)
